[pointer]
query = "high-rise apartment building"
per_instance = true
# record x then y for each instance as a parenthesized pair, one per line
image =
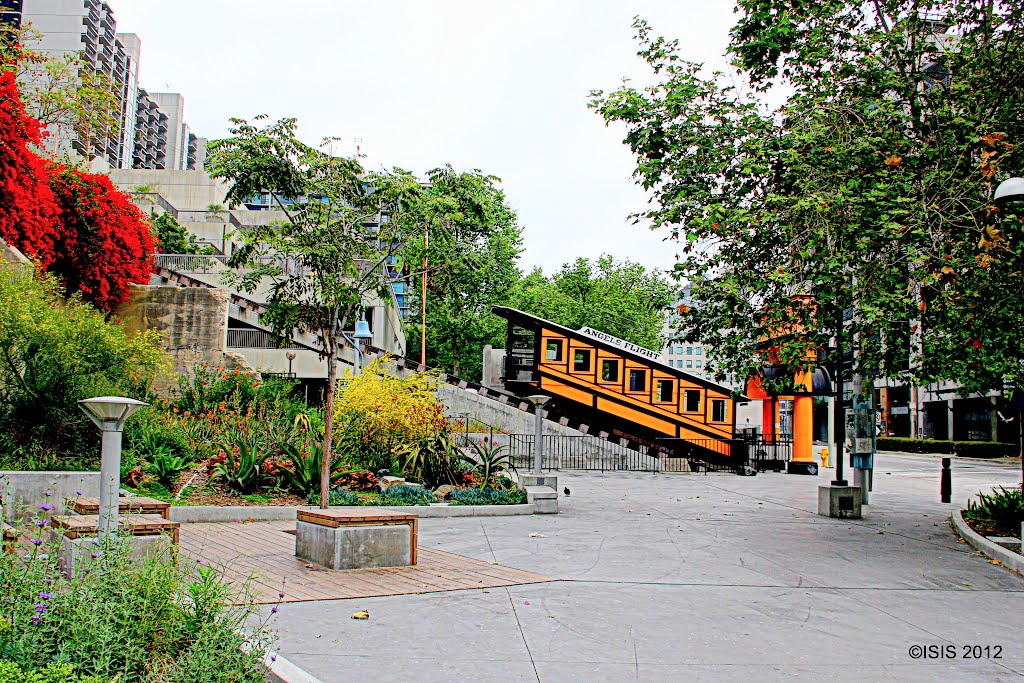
(151, 132)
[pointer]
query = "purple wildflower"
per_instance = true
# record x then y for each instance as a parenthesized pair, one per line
(280, 595)
(41, 607)
(47, 580)
(273, 658)
(47, 493)
(35, 620)
(36, 541)
(45, 507)
(78, 492)
(94, 555)
(43, 595)
(275, 609)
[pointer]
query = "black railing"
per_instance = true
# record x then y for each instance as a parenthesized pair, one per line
(772, 453)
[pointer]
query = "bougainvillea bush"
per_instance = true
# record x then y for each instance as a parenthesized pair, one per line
(74, 224)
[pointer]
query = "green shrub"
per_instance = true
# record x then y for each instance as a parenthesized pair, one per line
(490, 461)
(965, 449)
(124, 618)
(245, 466)
(337, 497)
(403, 494)
(53, 673)
(302, 472)
(1002, 509)
(487, 496)
(56, 352)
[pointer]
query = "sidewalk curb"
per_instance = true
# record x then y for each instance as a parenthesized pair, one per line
(1008, 558)
(281, 670)
(936, 456)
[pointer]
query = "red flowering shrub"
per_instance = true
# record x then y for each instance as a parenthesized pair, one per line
(106, 242)
(28, 210)
(76, 225)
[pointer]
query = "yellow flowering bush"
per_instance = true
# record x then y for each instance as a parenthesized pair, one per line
(379, 413)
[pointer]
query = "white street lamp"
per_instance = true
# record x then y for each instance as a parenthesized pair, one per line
(362, 332)
(1010, 190)
(109, 414)
(538, 401)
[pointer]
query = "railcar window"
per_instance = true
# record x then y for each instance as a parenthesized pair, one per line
(609, 371)
(718, 411)
(692, 401)
(581, 360)
(554, 350)
(637, 380)
(665, 390)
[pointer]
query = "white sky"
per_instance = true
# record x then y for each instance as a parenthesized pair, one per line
(497, 86)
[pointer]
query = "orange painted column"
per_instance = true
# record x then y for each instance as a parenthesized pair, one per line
(803, 423)
(768, 419)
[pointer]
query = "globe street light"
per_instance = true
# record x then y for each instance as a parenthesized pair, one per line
(109, 414)
(1010, 190)
(538, 401)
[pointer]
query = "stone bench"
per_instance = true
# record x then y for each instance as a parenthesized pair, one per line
(544, 499)
(356, 539)
(80, 537)
(86, 505)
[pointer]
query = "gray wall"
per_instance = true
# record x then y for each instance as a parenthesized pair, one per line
(23, 492)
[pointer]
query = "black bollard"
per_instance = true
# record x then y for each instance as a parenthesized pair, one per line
(946, 484)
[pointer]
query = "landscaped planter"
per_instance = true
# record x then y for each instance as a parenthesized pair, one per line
(25, 490)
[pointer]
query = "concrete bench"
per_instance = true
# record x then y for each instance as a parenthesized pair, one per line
(356, 539)
(544, 499)
(87, 505)
(79, 537)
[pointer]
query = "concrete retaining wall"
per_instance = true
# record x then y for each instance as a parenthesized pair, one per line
(1008, 558)
(22, 492)
(504, 416)
(270, 513)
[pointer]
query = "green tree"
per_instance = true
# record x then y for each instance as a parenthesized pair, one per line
(52, 353)
(867, 192)
(174, 238)
(621, 298)
(321, 261)
(474, 242)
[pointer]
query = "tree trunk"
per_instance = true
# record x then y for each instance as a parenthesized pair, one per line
(325, 475)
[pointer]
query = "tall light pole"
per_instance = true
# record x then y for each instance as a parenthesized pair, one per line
(109, 414)
(538, 401)
(1009, 191)
(423, 301)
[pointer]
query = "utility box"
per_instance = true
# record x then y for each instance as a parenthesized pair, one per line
(840, 502)
(860, 437)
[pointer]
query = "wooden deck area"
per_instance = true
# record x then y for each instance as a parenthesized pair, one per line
(266, 552)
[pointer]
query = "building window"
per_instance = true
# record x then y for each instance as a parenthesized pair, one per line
(689, 350)
(670, 350)
(665, 390)
(609, 371)
(581, 360)
(638, 380)
(699, 351)
(699, 363)
(689, 363)
(718, 410)
(679, 350)
(691, 401)
(554, 350)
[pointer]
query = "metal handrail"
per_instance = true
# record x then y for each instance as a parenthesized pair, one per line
(190, 263)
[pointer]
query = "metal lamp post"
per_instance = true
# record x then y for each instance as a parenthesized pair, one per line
(362, 332)
(538, 401)
(290, 356)
(1009, 191)
(109, 414)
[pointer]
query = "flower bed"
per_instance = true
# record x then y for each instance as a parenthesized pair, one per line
(999, 513)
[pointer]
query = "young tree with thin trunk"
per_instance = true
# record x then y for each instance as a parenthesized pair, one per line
(322, 260)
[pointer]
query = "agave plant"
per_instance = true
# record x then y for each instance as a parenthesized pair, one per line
(490, 460)
(244, 468)
(433, 461)
(303, 474)
(166, 465)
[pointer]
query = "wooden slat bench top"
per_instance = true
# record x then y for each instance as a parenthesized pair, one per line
(89, 505)
(354, 517)
(76, 526)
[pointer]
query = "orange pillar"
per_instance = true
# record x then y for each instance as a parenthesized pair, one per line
(803, 429)
(768, 419)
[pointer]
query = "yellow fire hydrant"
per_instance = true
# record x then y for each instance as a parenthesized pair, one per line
(824, 457)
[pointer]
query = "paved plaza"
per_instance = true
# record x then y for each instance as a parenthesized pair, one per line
(694, 577)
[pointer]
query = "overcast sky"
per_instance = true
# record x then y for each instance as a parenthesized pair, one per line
(499, 86)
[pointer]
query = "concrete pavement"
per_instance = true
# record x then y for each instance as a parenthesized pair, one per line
(693, 577)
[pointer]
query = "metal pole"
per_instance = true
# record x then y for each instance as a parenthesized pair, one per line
(538, 449)
(946, 484)
(110, 482)
(838, 411)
